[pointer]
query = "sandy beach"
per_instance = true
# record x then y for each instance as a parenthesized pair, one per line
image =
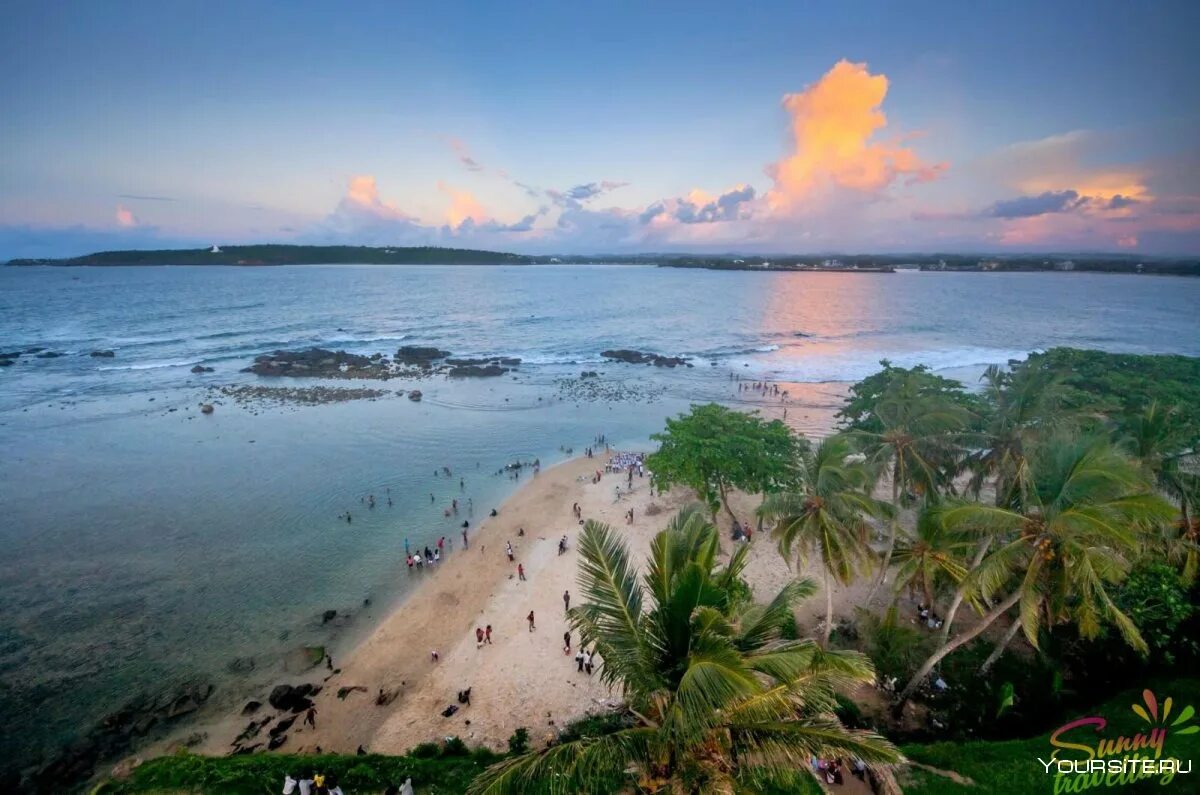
(523, 678)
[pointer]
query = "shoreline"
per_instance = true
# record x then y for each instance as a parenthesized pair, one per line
(523, 679)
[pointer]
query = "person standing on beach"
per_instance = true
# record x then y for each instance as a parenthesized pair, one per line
(567, 608)
(406, 550)
(478, 638)
(509, 551)
(434, 656)
(567, 642)
(529, 618)
(587, 662)
(521, 574)
(487, 635)
(464, 537)
(310, 717)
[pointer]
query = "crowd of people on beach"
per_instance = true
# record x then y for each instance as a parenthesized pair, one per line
(310, 783)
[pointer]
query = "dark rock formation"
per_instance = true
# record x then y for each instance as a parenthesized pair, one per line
(287, 698)
(588, 374)
(6, 362)
(638, 357)
(49, 355)
(318, 363)
(414, 395)
(422, 356)
(206, 408)
(251, 707)
(102, 354)
(115, 735)
(201, 369)
(328, 615)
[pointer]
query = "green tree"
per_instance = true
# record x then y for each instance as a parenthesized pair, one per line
(861, 410)
(1023, 405)
(917, 446)
(712, 450)
(827, 515)
(721, 702)
(931, 555)
(1160, 438)
(1088, 511)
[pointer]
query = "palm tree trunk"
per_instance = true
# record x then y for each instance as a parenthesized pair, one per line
(960, 592)
(894, 528)
(1000, 647)
(828, 608)
(946, 648)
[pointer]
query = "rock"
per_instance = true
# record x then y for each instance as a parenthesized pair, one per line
(318, 363)
(414, 394)
(201, 369)
(588, 374)
(49, 355)
(282, 726)
(241, 665)
(286, 698)
(251, 707)
(206, 408)
(419, 355)
(11, 354)
(328, 615)
(638, 357)
(102, 354)
(6, 362)
(276, 742)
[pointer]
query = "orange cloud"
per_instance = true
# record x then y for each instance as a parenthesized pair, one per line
(125, 217)
(462, 206)
(363, 195)
(833, 122)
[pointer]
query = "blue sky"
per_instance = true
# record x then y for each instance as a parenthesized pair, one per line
(170, 123)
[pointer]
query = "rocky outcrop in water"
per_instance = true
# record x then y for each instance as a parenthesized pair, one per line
(102, 354)
(201, 369)
(638, 357)
(116, 734)
(410, 361)
(287, 698)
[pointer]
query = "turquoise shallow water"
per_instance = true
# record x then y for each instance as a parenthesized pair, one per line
(144, 545)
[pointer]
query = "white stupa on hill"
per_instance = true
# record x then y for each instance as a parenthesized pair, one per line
(215, 249)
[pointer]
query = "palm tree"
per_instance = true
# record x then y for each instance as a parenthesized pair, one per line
(1026, 405)
(917, 446)
(720, 702)
(931, 555)
(1088, 511)
(1162, 442)
(827, 515)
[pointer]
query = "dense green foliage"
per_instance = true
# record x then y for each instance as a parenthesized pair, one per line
(1113, 384)
(1004, 767)
(713, 449)
(722, 702)
(293, 255)
(861, 410)
(441, 771)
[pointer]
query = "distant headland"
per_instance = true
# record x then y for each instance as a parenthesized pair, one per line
(279, 254)
(282, 254)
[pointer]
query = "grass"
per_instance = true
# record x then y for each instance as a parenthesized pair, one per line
(433, 769)
(1003, 767)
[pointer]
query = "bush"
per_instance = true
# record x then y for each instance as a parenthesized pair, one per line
(519, 742)
(455, 747)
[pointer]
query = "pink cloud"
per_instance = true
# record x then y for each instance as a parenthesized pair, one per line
(125, 217)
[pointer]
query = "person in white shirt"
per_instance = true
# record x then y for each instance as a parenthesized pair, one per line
(289, 784)
(305, 784)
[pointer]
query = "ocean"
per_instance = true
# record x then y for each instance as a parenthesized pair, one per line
(148, 544)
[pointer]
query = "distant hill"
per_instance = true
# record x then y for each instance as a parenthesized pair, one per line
(292, 255)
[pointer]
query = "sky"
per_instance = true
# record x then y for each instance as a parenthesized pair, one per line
(767, 127)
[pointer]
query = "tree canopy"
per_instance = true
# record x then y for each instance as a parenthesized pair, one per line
(713, 449)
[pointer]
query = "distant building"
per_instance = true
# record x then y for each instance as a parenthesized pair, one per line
(1068, 265)
(989, 265)
(214, 250)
